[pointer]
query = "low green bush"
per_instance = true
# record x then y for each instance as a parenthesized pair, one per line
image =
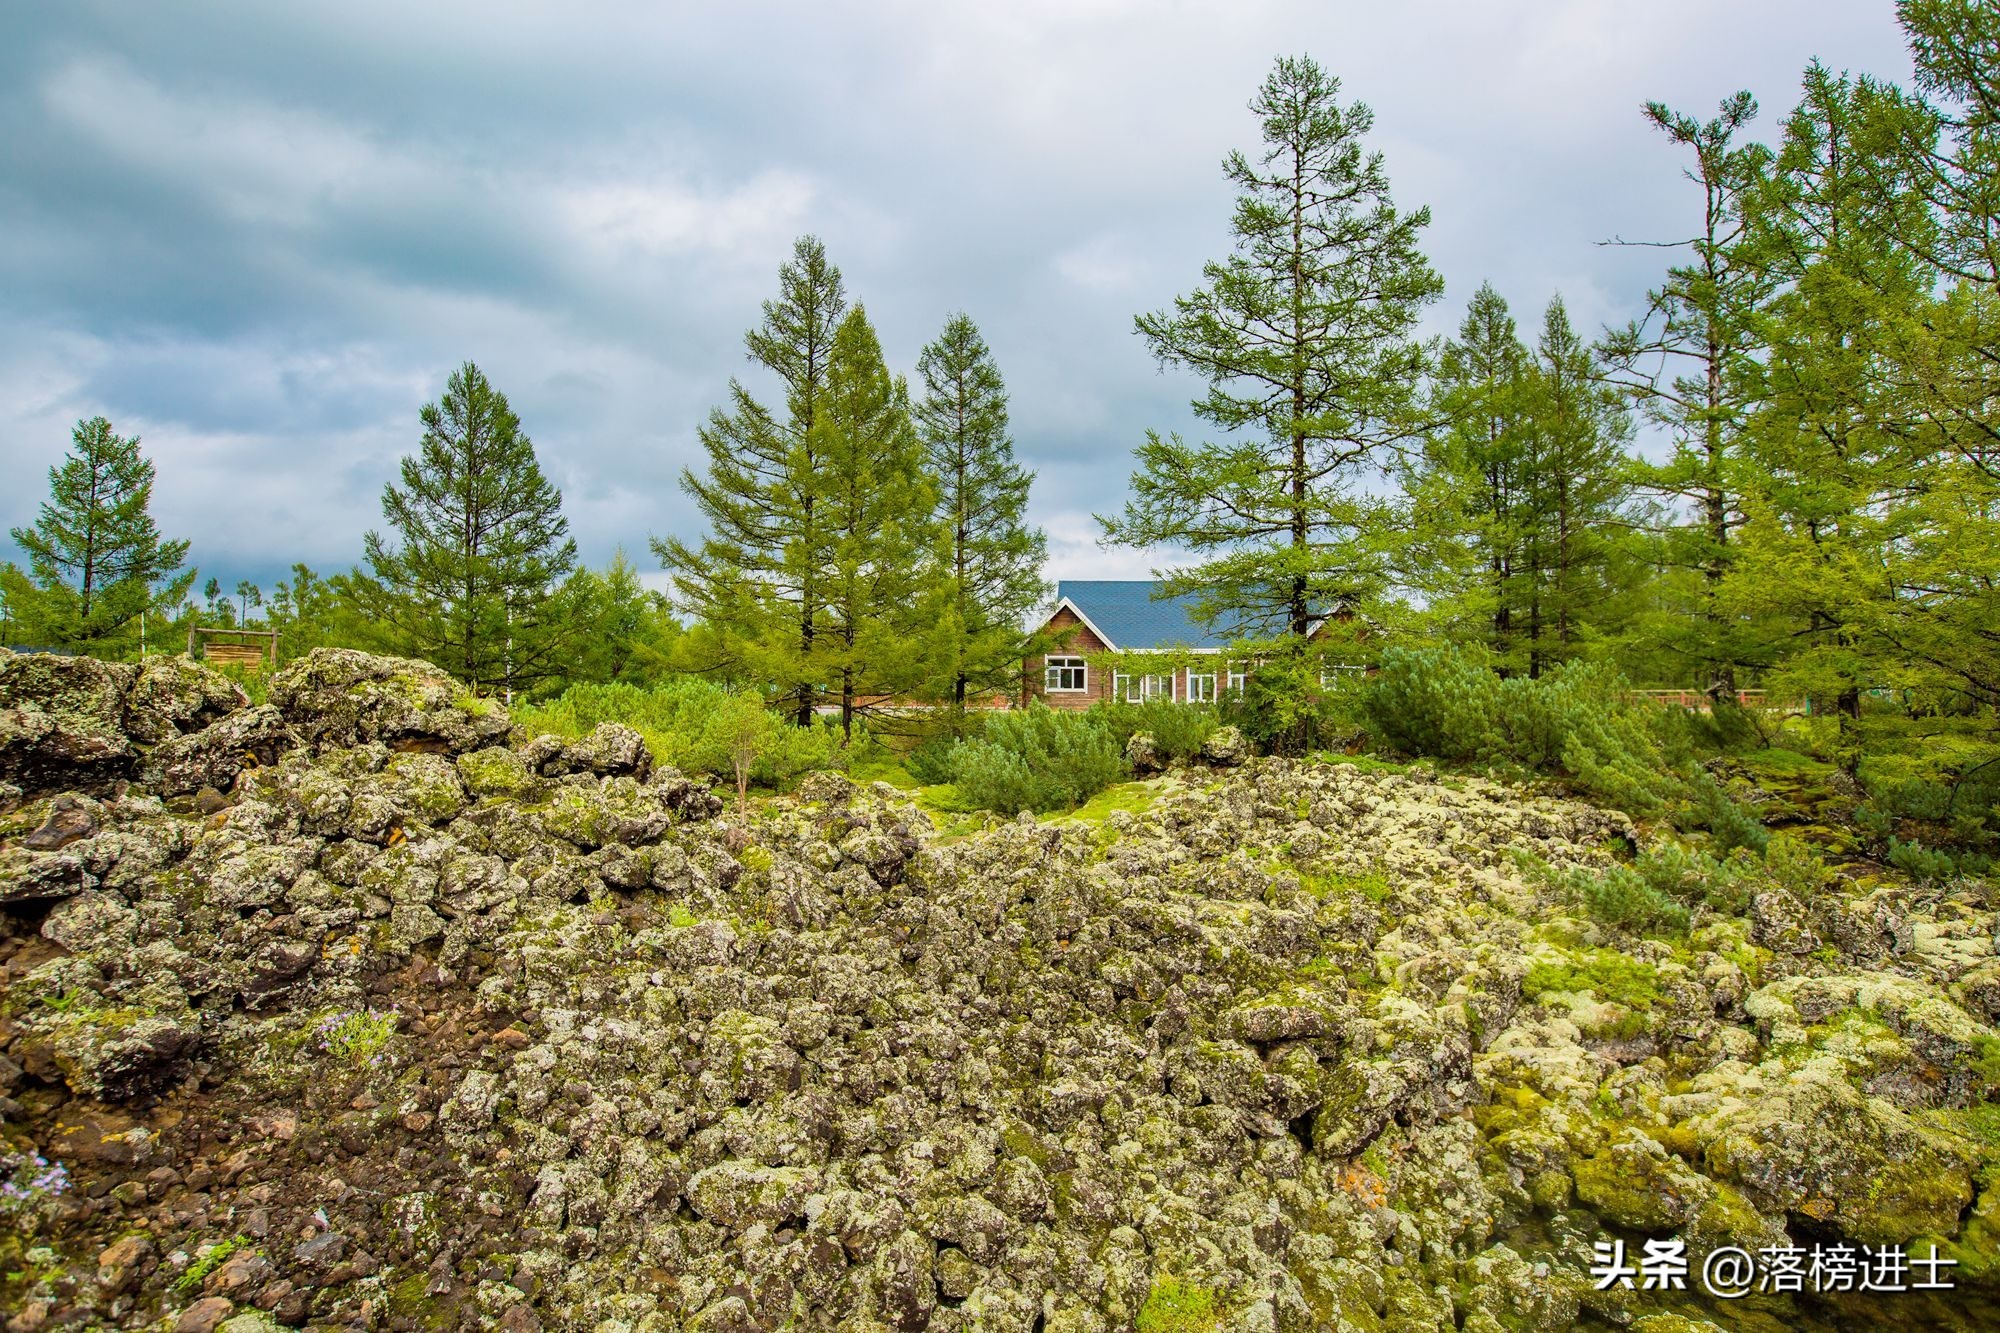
(1178, 730)
(673, 717)
(1574, 723)
(1038, 758)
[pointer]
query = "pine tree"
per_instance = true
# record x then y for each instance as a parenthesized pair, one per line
(474, 583)
(993, 558)
(96, 563)
(875, 548)
(753, 580)
(1306, 338)
(1687, 364)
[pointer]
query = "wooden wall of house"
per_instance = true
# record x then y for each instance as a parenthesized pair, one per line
(1081, 642)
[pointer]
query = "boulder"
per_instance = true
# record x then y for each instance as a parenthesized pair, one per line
(62, 723)
(1226, 747)
(337, 697)
(213, 756)
(171, 696)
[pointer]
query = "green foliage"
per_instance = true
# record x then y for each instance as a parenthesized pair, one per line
(1573, 722)
(1932, 865)
(687, 722)
(1176, 1306)
(1710, 807)
(96, 563)
(1609, 975)
(1294, 702)
(483, 549)
(354, 1037)
(1038, 758)
(208, 1261)
(992, 557)
(878, 595)
(1622, 896)
(1306, 338)
(1657, 891)
(1178, 730)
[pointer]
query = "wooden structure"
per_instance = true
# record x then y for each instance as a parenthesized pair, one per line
(227, 647)
(1701, 701)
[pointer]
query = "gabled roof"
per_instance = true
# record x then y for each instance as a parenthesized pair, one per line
(1127, 616)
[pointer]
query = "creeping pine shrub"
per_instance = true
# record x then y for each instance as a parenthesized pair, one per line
(1038, 758)
(1710, 807)
(1657, 891)
(1573, 722)
(1178, 730)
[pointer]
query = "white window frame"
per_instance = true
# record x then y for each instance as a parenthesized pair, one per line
(1055, 669)
(1238, 677)
(1334, 672)
(1125, 687)
(1157, 685)
(1200, 694)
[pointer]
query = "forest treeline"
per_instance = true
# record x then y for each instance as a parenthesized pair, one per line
(1783, 471)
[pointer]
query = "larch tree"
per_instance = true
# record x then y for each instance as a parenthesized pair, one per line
(875, 546)
(992, 556)
(1834, 465)
(96, 562)
(1573, 490)
(1306, 336)
(1688, 363)
(754, 579)
(1468, 532)
(481, 548)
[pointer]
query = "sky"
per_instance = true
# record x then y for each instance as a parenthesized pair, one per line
(261, 236)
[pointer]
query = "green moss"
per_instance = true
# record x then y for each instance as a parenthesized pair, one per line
(1610, 976)
(1175, 1306)
(1372, 885)
(209, 1260)
(680, 918)
(1131, 797)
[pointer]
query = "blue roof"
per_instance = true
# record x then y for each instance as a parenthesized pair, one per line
(1126, 612)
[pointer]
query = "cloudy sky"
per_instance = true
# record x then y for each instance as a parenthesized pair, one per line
(260, 235)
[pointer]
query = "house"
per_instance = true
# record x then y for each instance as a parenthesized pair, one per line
(1099, 623)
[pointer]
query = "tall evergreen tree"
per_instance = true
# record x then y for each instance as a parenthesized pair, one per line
(1469, 529)
(1306, 337)
(993, 558)
(96, 563)
(1574, 491)
(1944, 364)
(1688, 364)
(482, 548)
(1833, 466)
(875, 546)
(754, 579)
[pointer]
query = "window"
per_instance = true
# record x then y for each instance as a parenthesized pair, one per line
(1125, 687)
(1237, 676)
(1201, 687)
(1065, 675)
(1156, 687)
(1334, 673)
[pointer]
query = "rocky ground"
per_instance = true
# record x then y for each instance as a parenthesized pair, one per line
(357, 1010)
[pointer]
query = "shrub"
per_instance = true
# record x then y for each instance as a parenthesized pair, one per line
(1574, 723)
(1710, 807)
(674, 717)
(1178, 730)
(1622, 896)
(1286, 708)
(1038, 758)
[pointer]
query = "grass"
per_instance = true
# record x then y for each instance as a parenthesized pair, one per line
(1131, 797)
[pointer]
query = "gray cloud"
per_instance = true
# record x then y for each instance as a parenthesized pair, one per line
(260, 236)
